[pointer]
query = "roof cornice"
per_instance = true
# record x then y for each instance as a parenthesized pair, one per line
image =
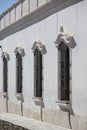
(37, 15)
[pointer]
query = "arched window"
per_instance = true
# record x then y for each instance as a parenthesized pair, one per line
(37, 73)
(18, 73)
(64, 72)
(5, 74)
(39, 50)
(64, 43)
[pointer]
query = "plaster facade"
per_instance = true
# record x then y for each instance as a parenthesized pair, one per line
(73, 20)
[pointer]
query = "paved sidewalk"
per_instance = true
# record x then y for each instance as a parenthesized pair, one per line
(28, 123)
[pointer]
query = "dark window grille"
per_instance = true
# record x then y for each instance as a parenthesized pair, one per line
(18, 73)
(64, 86)
(5, 74)
(37, 73)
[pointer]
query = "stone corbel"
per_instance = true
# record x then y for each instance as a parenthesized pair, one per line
(40, 46)
(66, 38)
(19, 96)
(6, 55)
(20, 51)
(4, 94)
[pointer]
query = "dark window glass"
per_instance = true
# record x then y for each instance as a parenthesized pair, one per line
(5, 74)
(18, 73)
(63, 72)
(37, 73)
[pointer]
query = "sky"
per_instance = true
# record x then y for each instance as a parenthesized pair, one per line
(5, 4)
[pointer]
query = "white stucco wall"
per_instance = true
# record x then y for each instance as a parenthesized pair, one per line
(46, 31)
(73, 19)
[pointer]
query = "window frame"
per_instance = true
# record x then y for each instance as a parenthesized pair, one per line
(5, 74)
(70, 42)
(19, 73)
(38, 74)
(19, 95)
(60, 89)
(41, 47)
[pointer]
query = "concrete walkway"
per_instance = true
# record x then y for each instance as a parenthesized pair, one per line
(28, 123)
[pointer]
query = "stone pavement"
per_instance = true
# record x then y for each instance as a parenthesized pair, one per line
(27, 123)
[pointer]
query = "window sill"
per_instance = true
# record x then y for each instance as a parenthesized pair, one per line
(19, 96)
(5, 94)
(64, 105)
(62, 102)
(37, 99)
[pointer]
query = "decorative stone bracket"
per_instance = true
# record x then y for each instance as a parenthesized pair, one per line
(6, 55)
(4, 94)
(40, 46)
(20, 51)
(66, 38)
(19, 96)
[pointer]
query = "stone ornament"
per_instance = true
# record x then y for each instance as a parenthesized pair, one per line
(40, 46)
(66, 38)
(6, 55)
(20, 51)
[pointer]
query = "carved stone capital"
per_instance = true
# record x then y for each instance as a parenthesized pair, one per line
(20, 51)
(40, 46)
(65, 38)
(6, 55)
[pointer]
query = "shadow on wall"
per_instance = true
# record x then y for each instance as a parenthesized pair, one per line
(41, 13)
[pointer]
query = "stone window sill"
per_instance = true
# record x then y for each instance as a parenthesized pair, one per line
(37, 99)
(5, 94)
(62, 102)
(64, 105)
(19, 96)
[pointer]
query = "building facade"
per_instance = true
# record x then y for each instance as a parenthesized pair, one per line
(42, 66)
